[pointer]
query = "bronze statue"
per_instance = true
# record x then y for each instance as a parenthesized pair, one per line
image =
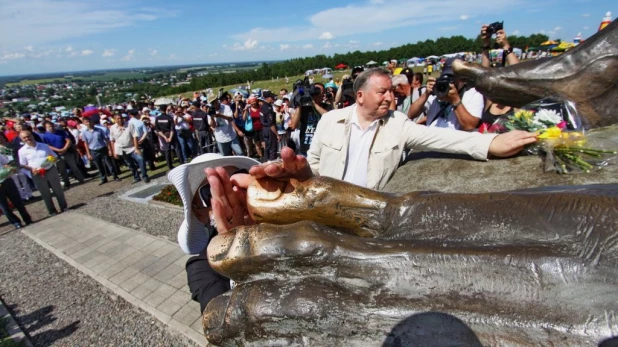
(362, 268)
(586, 75)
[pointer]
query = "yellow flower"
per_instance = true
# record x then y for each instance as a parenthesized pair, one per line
(551, 133)
(51, 158)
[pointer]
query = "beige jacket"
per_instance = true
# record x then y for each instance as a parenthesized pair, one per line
(329, 148)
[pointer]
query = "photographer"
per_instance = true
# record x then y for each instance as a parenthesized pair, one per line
(501, 41)
(492, 110)
(345, 95)
(457, 105)
(306, 117)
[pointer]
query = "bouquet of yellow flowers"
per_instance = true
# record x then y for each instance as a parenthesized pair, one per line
(560, 133)
(9, 169)
(49, 161)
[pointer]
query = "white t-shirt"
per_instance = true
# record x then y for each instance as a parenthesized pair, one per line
(224, 132)
(472, 100)
(358, 151)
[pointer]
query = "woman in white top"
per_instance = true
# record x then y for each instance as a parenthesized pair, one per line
(184, 135)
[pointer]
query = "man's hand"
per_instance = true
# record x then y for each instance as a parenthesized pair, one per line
(229, 202)
(116, 156)
(290, 165)
(89, 157)
(501, 39)
(511, 143)
(137, 151)
(109, 152)
(429, 87)
(484, 37)
(35, 171)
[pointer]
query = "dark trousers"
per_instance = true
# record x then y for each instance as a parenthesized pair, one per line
(69, 160)
(204, 142)
(270, 144)
(8, 189)
(204, 282)
(102, 159)
(131, 163)
(148, 154)
(51, 180)
(167, 149)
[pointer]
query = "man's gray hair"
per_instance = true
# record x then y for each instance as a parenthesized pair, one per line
(400, 79)
(363, 78)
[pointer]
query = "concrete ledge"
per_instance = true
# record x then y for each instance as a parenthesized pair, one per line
(13, 329)
(165, 205)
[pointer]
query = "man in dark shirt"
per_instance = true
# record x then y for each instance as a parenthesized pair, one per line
(202, 128)
(268, 120)
(307, 117)
(62, 145)
(164, 128)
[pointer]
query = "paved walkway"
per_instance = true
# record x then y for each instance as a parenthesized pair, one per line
(145, 270)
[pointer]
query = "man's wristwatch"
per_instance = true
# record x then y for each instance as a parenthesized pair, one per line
(508, 51)
(456, 105)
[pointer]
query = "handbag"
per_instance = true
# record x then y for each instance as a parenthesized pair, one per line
(249, 124)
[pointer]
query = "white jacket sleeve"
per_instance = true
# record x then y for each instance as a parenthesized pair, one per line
(419, 137)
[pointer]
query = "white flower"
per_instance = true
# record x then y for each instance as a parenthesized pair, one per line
(548, 116)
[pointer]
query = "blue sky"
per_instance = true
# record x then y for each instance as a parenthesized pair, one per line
(70, 35)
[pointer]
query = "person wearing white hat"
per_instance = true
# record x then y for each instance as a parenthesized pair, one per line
(198, 226)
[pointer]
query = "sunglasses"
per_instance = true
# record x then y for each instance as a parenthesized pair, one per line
(204, 190)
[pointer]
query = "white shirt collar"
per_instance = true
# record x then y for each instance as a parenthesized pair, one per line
(354, 119)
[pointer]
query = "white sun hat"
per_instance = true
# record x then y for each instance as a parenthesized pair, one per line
(187, 178)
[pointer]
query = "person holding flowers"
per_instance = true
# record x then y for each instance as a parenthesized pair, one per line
(39, 160)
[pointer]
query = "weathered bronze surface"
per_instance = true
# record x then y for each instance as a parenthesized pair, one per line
(530, 267)
(586, 75)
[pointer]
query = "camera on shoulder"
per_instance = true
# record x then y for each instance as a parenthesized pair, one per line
(303, 93)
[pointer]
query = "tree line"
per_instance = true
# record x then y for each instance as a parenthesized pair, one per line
(298, 66)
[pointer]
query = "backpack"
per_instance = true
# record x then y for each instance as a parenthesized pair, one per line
(249, 123)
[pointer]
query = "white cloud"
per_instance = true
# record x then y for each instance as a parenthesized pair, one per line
(38, 22)
(284, 46)
(213, 55)
(557, 28)
(153, 52)
(73, 54)
(515, 32)
(87, 52)
(586, 28)
(29, 48)
(586, 15)
(308, 46)
(246, 46)
(108, 52)
(464, 17)
(326, 36)
(327, 45)
(376, 2)
(68, 49)
(376, 18)
(377, 44)
(129, 56)
(172, 57)
(11, 56)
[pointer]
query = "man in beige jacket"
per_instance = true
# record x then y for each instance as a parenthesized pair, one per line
(363, 144)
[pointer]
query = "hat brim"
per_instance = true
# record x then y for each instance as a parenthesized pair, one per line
(187, 178)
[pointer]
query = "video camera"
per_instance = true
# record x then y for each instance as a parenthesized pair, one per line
(443, 85)
(347, 88)
(303, 93)
(493, 28)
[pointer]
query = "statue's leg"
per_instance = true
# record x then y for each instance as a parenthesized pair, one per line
(307, 284)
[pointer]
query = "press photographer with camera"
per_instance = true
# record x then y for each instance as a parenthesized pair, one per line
(497, 28)
(457, 105)
(492, 110)
(308, 101)
(345, 95)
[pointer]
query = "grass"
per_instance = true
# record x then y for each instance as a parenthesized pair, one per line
(276, 85)
(5, 339)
